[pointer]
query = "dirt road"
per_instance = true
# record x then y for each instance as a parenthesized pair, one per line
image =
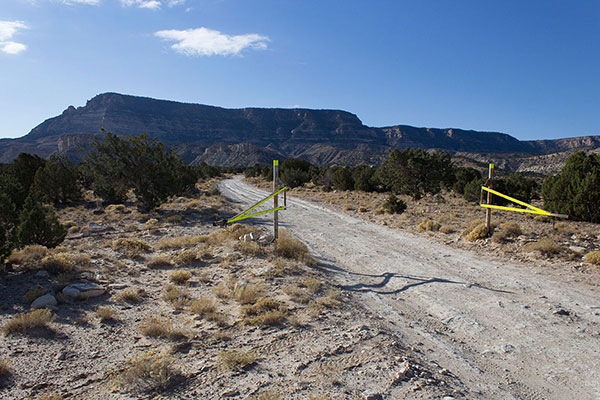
(505, 330)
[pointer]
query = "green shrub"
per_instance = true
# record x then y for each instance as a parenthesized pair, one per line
(394, 205)
(57, 180)
(342, 179)
(39, 225)
(575, 191)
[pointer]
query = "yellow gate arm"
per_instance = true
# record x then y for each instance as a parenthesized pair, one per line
(530, 209)
(244, 214)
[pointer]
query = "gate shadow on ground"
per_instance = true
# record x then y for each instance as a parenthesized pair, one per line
(386, 277)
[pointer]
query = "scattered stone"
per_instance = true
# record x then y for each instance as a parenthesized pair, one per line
(70, 291)
(562, 312)
(507, 348)
(86, 290)
(42, 274)
(230, 393)
(44, 301)
(249, 237)
(372, 396)
(266, 238)
(117, 286)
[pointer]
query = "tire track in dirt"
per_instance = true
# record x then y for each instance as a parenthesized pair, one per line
(491, 324)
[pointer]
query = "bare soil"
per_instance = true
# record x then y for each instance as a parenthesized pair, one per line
(505, 322)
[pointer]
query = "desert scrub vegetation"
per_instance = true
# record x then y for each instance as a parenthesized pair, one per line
(248, 293)
(180, 276)
(152, 371)
(156, 327)
(180, 242)
(28, 256)
(207, 309)
(131, 295)
(187, 257)
(311, 283)
(447, 229)
(428, 225)
(507, 230)
(545, 246)
(222, 291)
(4, 368)
(58, 263)
(292, 248)
(160, 261)
(105, 313)
(475, 231)
(34, 293)
(175, 296)
(236, 359)
(24, 323)
(265, 312)
(131, 247)
(233, 232)
(592, 257)
(332, 299)
(249, 248)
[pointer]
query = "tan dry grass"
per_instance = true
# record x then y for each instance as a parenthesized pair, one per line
(28, 256)
(156, 327)
(160, 261)
(248, 293)
(34, 293)
(153, 371)
(175, 296)
(131, 247)
(26, 322)
(105, 313)
(223, 291)
(592, 257)
(58, 263)
(545, 246)
(180, 242)
(4, 368)
(249, 248)
(131, 295)
(265, 312)
(292, 248)
(236, 359)
(180, 276)
(428, 225)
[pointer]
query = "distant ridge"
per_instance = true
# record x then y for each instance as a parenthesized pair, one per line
(220, 136)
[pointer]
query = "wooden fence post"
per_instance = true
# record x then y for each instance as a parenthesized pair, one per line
(488, 211)
(275, 198)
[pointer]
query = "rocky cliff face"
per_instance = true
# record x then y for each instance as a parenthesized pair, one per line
(245, 136)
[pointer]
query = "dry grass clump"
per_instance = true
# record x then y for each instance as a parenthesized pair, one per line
(34, 293)
(249, 248)
(232, 232)
(507, 230)
(203, 306)
(180, 242)
(297, 294)
(563, 226)
(115, 208)
(292, 248)
(187, 257)
(428, 225)
(151, 223)
(156, 327)
(236, 359)
(105, 313)
(4, 368)
(312, 283)
(175, 296)
(347, 207)
(25, 322)
(130, 228)
(153, 371)
(222, 291)
(248, 293)
(29, 257)
(180, 276)
(265, 312)
(160, 261)
(332, 299)
(172, 219)
(131, 295)
(58, 263)
(545, 246)
(362, 209)
(592, 257)
(447, 229)
(479, 232)
(131, 247)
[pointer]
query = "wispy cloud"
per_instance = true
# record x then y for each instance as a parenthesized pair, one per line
(87, 2)
(173, 3)
(149, 4)
(7, 30)
(207, 42)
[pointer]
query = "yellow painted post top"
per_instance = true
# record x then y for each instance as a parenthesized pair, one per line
(275, 163)
(491, 166)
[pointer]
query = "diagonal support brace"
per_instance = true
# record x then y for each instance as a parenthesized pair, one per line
(244, 214)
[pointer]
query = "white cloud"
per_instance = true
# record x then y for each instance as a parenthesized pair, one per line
(149, 4)
(173, 3)
(206, 42)
(12, 47)
(7, 30)
(87, 2)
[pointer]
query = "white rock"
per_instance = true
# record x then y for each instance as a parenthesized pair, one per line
(249, 237)
(86, 290)
(70, 291)
(45, 301)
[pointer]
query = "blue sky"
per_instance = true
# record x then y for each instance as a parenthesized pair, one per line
(527, 68)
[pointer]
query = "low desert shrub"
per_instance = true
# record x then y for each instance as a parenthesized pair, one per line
(131, 247)
(105, 313)
(187, 257)
(428, 225)
(4, 368)
(265, 312)
(131, 295)
(297, 294)
(394, 205)
(332, 299)
(175, 296)
(447, 229)
(153, 371)
(26, 322)
(222, 291)
(203, 306)
(478, 232)
(236, 359)
(248, 293)
(180, 276)
(312, 284)
(156, 327)
(34, 293)
(160, 261)
(58, 263)
(249, 248)
(173, 219)
(592, 257)
(292, 248)
(29, 256)
(545, 246)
